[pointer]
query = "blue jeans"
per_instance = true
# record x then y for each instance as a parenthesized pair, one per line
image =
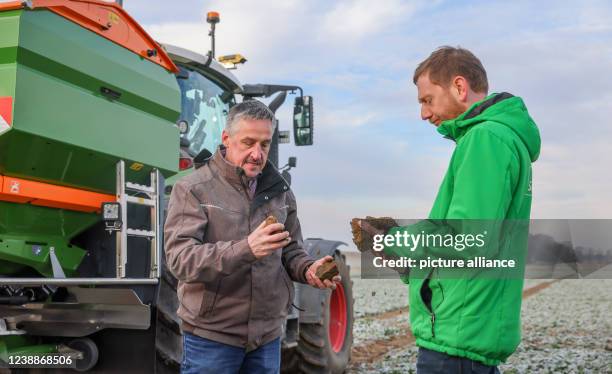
(206, 356)
(432, 362)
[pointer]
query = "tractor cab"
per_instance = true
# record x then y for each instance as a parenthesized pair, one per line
(209, 90)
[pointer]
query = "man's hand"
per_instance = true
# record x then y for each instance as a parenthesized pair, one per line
(365, 229)
(314, 281)
(363, 234)
(267, 239)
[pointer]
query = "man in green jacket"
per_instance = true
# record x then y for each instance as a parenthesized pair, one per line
(470, 323)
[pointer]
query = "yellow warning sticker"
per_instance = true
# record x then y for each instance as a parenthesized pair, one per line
(136, 166)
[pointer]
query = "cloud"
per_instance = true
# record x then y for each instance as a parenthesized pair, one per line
(349, 22)
(570, 182)
(189, 35)
(162, 11)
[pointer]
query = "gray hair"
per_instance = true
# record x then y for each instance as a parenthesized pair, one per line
(248, 109)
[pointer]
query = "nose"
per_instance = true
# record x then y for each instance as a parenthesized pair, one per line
(425, 113)
(257, 153)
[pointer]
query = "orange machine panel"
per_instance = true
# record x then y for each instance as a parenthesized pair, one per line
(108, 20)
(11, 5)
(19, 190)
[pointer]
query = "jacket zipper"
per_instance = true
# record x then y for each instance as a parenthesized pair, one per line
(433, 319)
(429, 308)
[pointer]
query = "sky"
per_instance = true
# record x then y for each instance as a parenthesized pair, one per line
(372, 153)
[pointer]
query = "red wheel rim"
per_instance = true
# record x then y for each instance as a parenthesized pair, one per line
(337, 318)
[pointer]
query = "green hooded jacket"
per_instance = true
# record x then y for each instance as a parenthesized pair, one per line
(489, 178)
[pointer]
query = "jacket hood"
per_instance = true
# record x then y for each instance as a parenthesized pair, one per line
(502, 108)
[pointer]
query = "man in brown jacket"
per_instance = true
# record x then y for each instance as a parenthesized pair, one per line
(235, 273)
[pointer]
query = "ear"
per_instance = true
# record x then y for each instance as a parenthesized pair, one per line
(225, 138)
(460, 88)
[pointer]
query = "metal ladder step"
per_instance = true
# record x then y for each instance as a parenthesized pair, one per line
(139, 188)
(140, 233)
(127, 195)
(140, 201)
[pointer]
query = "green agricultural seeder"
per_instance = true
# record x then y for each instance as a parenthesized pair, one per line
(97, 121)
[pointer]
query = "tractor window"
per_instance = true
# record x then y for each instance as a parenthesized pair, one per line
(204, 105)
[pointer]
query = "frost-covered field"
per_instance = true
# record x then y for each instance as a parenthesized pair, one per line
(371, 328)
(374, 296)
(567, 327)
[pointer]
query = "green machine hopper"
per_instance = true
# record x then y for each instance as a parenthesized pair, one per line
(82, 87)
(88, 111)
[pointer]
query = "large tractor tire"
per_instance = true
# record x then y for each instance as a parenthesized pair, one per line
(326, 347)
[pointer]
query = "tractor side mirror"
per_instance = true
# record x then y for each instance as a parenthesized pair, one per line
(302, 121)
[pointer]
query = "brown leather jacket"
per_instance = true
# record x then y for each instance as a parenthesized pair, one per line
(225, 293)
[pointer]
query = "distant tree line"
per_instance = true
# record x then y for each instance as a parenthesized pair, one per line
(543, 249)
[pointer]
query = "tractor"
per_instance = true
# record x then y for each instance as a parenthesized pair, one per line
(97, 122)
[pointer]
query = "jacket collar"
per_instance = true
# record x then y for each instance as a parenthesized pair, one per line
(235, 175)
(455, 128)
(270, 185)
